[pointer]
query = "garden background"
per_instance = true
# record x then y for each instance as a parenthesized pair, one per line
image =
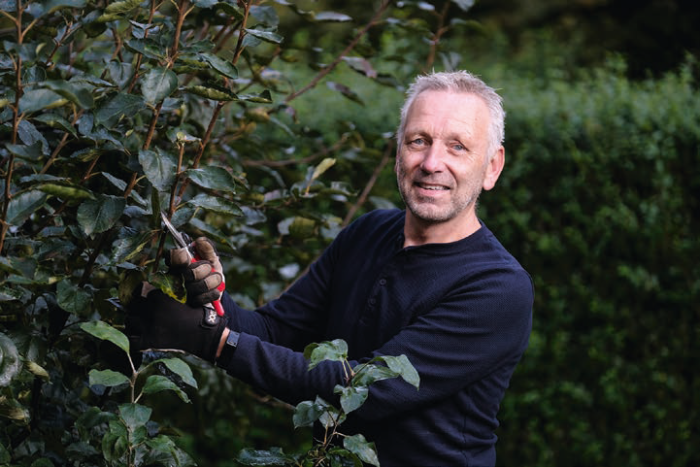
(267, 126)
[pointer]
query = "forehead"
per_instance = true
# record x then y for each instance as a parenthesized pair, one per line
(446, 111)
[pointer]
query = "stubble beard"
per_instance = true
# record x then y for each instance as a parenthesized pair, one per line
(427, 210)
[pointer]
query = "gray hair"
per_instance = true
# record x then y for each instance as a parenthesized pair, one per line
(461, 82)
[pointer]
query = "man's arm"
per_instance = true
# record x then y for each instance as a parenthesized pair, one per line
(472, 333)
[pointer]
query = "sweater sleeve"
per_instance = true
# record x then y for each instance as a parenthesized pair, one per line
(478, 330)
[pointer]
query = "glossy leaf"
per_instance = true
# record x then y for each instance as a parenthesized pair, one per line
(221, 66)
(220, 205)
(158, 84)
(403, 367)
(213, 177)
(365, 450)
(307, 412)
(100, 214)
(38, 99)
(104, 331)
(107, 378)
(72, 298)
(159, 168)
(266, 36)
(352, 398)
(121, 105)
(22, 206)
(158, 383)
(336, 350)
(180, 368)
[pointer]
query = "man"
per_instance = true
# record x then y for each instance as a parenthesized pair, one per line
(431, 282)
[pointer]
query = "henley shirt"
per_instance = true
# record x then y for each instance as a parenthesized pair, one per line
(461, 312)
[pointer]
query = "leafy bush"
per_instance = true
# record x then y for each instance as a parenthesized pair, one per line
(599, 202)
(113, 112)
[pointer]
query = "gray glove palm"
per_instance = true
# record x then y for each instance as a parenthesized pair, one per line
(201, 277)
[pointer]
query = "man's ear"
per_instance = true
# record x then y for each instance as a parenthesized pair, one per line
(494, 168)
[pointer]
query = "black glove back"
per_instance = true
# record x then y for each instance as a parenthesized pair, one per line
(157, 321)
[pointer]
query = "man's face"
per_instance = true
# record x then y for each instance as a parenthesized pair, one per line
(442, 163)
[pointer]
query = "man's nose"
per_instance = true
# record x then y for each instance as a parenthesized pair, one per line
(432, 159)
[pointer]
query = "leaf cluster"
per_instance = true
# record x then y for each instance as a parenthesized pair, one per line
(114, 112)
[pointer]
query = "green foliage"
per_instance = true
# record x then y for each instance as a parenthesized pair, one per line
(356, 449)
(598, 201)
(113, 112)
(267, 127)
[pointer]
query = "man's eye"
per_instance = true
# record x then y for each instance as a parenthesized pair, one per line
(417, 142)
(459, 147)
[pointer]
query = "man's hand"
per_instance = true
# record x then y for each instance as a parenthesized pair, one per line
(203, 277)
(157, 321)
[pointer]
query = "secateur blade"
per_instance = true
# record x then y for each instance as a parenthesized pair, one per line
(179, 239)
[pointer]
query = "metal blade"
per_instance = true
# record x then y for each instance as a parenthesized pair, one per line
(179, 240)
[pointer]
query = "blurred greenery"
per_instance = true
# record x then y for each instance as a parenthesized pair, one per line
(598, 201)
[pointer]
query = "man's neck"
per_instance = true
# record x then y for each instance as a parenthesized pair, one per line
(418, 232)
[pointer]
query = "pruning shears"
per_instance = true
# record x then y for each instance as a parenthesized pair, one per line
(192, 254)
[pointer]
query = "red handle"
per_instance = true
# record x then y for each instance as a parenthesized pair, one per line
(217, 303)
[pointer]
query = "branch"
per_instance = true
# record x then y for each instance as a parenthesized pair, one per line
(345, 52)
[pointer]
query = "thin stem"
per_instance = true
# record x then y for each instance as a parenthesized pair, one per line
(370, 184)
(345, 52)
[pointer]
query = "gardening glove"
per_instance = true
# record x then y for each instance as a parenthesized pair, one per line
(203, 277)
(154, 320)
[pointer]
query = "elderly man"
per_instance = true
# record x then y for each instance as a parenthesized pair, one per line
(430, 282)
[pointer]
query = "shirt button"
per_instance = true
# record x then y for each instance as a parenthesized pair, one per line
(372, 301)
(382, 281)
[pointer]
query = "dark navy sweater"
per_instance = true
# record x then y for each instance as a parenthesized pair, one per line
(461, 312)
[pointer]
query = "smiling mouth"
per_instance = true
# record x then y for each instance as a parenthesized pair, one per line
(425, 186)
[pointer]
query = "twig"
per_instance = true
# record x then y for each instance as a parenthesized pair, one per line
(339, 58)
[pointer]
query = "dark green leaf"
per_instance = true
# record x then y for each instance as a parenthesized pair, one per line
(129, 244)
(214, 178)
(24, 205)
(72, 298)
(157, 383)
(180, 368)
(336, 350)
(104, 331)
(365, 450)
(306, 413)
(31, 152)
(403, 367)
(76, 92)
(352, 398)
(120, 72)
(134, 415)
(159, 168)
(107, 378)
(100, 214)
(158, 84)
(120, 105)
(211, 203)
(368, 374)
(55, 121)
(220, 65)
(264, 97)
(266, 36)
(39, 99)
